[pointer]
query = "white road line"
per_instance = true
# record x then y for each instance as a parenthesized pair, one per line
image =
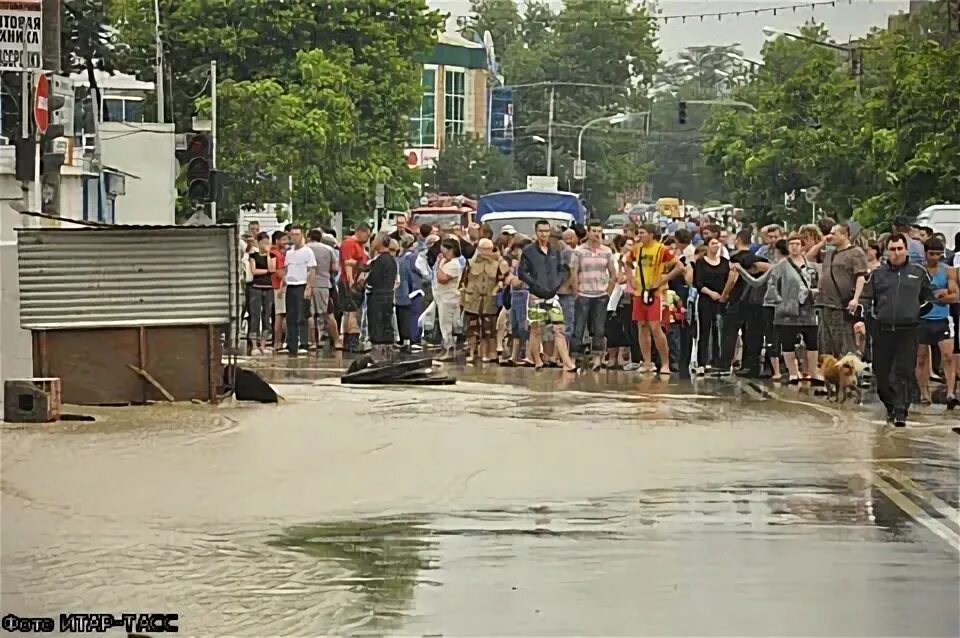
(913, 511)
(948, 512)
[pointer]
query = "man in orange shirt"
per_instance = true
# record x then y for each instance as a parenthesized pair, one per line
(353, 258)
(653, 266)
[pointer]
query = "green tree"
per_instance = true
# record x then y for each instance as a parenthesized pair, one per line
(877, 143)
(310, 119)
(790, 142)
(500, 17)
(469, 167)
(675, 150)
(606, 45)
(277, 53)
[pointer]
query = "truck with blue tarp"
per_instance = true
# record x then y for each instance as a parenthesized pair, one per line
(521, 209)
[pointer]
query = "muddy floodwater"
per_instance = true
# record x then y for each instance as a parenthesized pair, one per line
(514, 503)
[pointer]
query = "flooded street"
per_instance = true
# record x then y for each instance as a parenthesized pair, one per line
(514, 503)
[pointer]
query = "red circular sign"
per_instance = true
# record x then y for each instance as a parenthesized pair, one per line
(41, 115)
(412, 159)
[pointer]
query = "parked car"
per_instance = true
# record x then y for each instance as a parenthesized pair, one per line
(617, 221)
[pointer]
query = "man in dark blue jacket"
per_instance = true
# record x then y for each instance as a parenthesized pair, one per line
(901, 292)
(543, 270)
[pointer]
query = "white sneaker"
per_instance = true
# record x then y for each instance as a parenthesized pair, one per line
(630, 367)
(256, 352)
(303, 351)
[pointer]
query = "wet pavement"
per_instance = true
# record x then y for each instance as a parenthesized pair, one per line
(514, 503)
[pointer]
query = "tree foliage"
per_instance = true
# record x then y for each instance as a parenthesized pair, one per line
(675, 150)
(598, 58)
(470, 167)
(876, 145)
(320, 90)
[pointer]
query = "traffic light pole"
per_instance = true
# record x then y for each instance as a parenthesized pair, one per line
(213, 138)
(25, 90)
(37, 201)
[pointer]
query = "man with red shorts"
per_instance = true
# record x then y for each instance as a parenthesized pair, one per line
(653, 266)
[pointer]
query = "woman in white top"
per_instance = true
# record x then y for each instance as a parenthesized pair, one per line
(446, 292)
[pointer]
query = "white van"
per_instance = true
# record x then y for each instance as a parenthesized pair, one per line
(942, 218)
(524, 223)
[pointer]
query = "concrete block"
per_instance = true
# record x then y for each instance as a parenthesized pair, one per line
(34, 400)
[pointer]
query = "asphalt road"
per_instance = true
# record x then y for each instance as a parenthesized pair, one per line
(514, 503)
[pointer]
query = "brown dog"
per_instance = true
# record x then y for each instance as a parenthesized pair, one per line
(841, 376)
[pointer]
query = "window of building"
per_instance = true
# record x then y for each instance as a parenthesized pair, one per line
(123, 109)
(423, 123)
(455, 103)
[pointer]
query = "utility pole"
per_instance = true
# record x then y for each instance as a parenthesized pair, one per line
(25, 124)
(159, 58)
(213, 137)
(290, 195)
(550, 132)
(37, 158)
(24, 90)
(50, 34)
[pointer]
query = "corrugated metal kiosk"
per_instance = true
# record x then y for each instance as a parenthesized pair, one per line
(107, 304)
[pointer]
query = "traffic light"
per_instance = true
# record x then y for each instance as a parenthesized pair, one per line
(683, 113)
(54, 130)
(26, 158)
(195, 162)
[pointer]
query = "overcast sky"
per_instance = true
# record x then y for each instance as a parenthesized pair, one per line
(845, 20)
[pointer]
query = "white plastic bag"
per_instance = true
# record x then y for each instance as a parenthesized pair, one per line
(428, 319)
(614, 302)
(458, 323)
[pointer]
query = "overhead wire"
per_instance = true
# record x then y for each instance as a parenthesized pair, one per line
(683, 17)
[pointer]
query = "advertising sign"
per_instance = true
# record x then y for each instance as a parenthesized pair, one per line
(20, 20)
(501, 118)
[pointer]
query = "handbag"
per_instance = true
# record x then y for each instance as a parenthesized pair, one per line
(802, 279)
(647, 297)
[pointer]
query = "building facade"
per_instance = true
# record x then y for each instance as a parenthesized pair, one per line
(455, 83)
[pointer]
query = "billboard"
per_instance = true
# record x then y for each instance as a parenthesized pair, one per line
(501, 118)
(20, 34)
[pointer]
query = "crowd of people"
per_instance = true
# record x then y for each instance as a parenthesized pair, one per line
(689, 298)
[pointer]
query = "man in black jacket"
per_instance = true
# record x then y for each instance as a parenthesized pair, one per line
(543, 270)
(900, 291)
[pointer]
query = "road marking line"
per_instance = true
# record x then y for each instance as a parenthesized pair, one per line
(948, 512)
(914, 511)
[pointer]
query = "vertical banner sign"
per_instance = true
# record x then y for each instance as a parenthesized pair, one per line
(20, 19)
(501, 119)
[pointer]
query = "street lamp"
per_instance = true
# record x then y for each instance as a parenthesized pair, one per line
(854, 52)
(750, 61)
(772, 33)
(609, 119)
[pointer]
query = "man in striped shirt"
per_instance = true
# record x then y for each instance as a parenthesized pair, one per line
(594, 274)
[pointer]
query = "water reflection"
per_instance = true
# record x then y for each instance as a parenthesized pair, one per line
(379, 560)
(551, 505)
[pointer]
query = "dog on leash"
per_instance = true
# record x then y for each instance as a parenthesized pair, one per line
(842, 376)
